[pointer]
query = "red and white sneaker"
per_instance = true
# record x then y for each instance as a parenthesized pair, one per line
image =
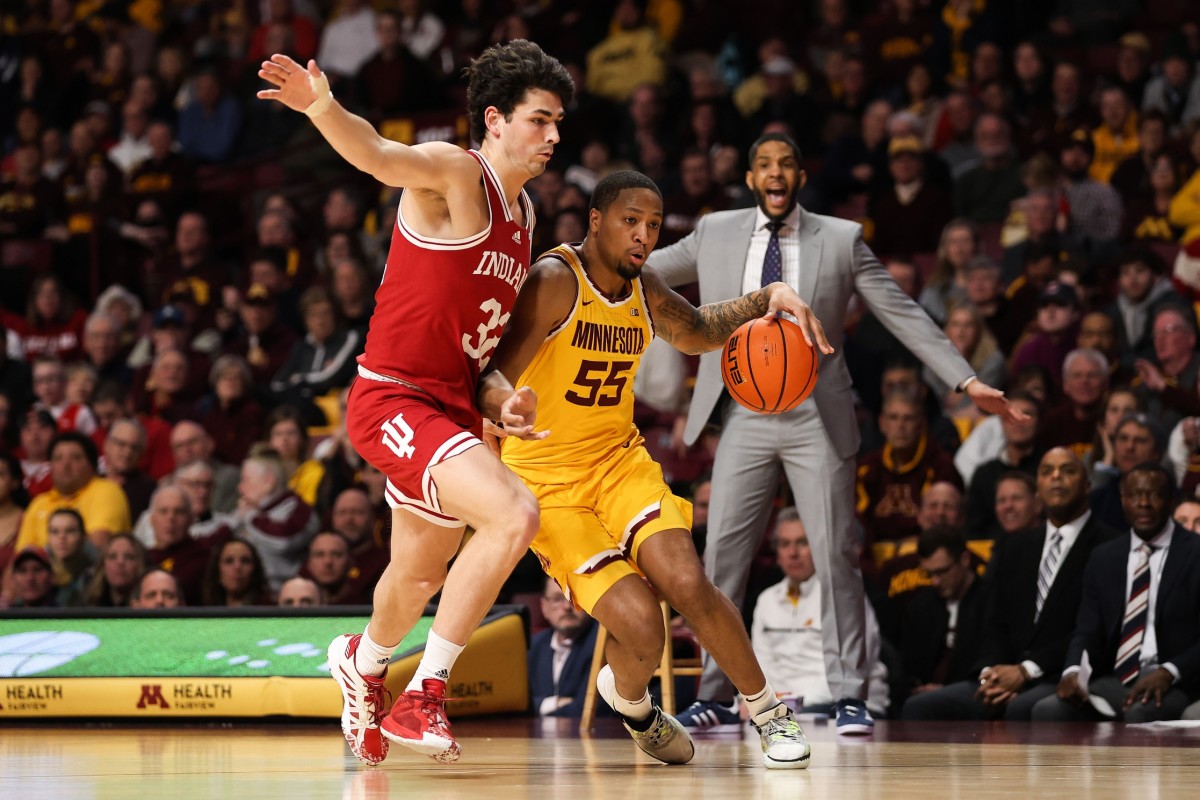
(418, 720)
(364, 701)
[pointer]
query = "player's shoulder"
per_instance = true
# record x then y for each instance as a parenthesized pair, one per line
(552, 267)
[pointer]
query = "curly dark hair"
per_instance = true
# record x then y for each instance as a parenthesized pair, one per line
(502, 75)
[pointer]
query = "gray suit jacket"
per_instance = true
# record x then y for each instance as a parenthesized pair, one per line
(834, 264)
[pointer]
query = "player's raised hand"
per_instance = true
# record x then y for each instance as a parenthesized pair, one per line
(781, 297)
(298, 88)
(518, 414)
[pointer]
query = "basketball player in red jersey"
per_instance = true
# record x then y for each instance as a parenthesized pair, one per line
(459, 254)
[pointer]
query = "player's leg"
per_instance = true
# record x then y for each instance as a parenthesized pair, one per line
(629, 612)
(420, 551)
(823, 484)
(473, 486)
(587, 561)
(669, 560)
(477, 488)
(660, 541)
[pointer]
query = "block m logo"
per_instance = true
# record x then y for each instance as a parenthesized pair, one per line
(152, 695)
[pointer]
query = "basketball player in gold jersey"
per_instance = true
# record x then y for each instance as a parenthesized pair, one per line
(576, 337)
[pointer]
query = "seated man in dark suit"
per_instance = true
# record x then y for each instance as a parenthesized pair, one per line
(1139, 622)
(560, 658)
(1038, 580)
(944, 623)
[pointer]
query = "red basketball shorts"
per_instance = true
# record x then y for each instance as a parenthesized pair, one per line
(403, 432)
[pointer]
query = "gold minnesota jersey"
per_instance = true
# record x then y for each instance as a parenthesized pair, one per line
(583, 376)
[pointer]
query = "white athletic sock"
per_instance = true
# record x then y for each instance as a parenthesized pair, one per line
(761, 701)
(372, 658)
(437, 662)
(633, 710)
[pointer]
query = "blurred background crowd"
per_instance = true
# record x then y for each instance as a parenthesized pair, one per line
(187, 273)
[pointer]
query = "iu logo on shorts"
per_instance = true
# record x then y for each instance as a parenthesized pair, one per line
(152, 695)
(398, 436)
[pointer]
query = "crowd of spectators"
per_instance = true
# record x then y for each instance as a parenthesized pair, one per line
(174, 353)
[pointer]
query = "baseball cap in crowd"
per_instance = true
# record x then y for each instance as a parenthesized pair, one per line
(97, 107)
(905, 144)
(1081, 137)
(169, 315)
(779, 66)
(259, 294)
(33, 551)
(1135, 41)
(1058, 293)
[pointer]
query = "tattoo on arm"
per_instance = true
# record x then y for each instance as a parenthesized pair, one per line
(699, 330)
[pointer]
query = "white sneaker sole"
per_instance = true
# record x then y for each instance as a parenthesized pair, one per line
(855, 729)
(799, 763)
(437, 748)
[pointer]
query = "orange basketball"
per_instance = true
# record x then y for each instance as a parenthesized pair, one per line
(767, 366)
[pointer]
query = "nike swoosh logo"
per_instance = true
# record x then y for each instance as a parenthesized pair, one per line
(588, 302)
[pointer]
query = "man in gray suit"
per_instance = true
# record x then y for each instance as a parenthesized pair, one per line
(825, 259)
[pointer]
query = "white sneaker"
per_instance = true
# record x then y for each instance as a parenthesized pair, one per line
(364, 701)
(783, 743)
(665, 739)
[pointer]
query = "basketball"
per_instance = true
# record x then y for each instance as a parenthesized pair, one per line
(767, 366)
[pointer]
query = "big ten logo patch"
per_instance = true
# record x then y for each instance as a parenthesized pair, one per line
(152, 695)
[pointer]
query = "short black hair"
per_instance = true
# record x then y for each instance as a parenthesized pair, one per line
(502, 75)
(941, 537)
(611, 185)
(1144, 256)
(1156, 468)
(90, 451)
(774, 137)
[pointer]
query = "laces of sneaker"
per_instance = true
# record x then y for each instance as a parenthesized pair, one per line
(853, 711)
(660, 732)
(782, 728)
(435, 707)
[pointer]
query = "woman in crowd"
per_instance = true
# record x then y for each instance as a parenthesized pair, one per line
(1120, 403)
(230, 413)
(287, 435)
(966, 330)
(946, 287)
(235, 577)
(71, 554)
(122, 562)
(52, 326)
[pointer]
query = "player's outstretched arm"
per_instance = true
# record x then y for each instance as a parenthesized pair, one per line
(699, 330)
(306, 89)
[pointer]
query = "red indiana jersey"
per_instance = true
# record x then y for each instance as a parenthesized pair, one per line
(443, 304)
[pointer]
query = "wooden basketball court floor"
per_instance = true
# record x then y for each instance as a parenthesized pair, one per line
(524, 759)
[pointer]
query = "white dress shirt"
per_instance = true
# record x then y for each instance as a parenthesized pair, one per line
(789, 248)
(1070, 533)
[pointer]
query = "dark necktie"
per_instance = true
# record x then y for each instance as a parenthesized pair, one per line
(1133, 629)
(772, 269)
